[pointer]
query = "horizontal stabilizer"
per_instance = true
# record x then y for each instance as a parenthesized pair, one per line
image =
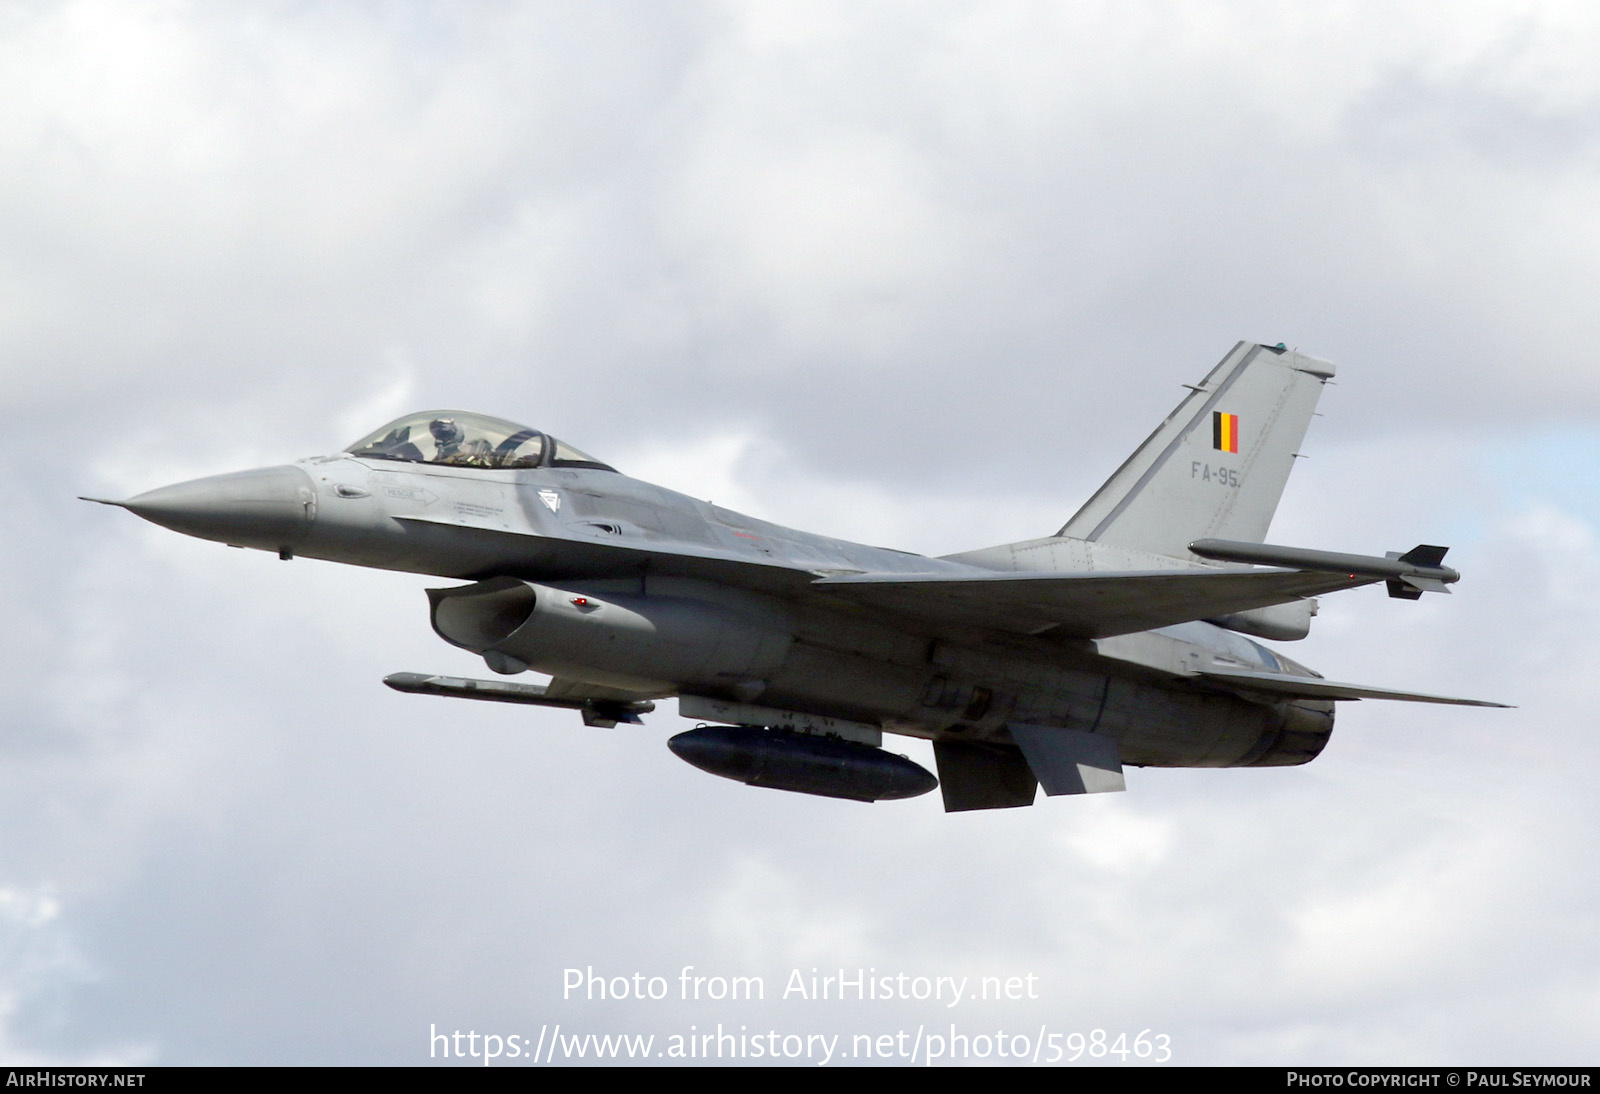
(1313, 687)
(1082, 604)
(597, 710)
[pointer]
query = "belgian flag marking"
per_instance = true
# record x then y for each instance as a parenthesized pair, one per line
(1224, 431)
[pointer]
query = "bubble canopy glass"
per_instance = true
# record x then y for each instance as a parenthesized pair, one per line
(457, 438)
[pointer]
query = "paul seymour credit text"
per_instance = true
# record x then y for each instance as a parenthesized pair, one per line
(926, 1042)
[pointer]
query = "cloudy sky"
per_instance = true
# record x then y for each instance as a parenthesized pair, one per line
(915, 274)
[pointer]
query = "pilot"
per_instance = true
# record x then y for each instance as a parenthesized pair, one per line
(453, 447)
(447, 438)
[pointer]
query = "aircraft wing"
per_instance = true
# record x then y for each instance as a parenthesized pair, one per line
(1082, 605)
(1313, 687)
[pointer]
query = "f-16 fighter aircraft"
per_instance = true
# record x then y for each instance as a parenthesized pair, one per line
(1120, 639)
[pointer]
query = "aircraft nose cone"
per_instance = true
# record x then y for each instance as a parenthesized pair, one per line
(271, 508)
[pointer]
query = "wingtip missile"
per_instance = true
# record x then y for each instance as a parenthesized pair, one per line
(1408, 575)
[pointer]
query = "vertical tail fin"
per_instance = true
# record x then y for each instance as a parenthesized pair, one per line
(1217, 466)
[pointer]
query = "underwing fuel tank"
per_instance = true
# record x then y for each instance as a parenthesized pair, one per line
(805, 763)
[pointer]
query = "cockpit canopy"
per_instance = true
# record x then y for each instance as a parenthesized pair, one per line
(461, 439)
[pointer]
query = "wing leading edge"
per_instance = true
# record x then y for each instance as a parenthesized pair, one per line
(1082, 605)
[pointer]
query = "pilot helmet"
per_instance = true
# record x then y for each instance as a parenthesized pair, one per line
(446, 432)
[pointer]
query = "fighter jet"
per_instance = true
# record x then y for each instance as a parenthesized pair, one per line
(1122, 639)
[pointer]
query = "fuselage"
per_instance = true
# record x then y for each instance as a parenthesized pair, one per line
(682, 597)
